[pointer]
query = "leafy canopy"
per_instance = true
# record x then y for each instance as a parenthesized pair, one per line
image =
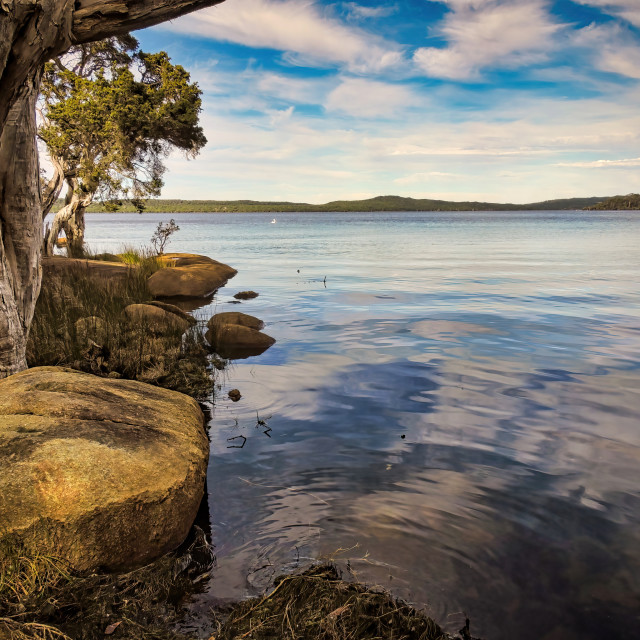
(110, 115)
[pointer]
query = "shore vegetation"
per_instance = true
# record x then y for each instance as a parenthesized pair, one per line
(618, 203)
(80, 322)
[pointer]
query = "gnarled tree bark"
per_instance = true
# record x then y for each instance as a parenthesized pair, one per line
(69, 219)
(20, 229)
(31, 32)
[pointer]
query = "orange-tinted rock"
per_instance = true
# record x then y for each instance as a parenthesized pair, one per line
(235, 317)
(104, 473)
(192, 276)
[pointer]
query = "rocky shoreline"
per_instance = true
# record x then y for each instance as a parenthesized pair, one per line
(101, 473)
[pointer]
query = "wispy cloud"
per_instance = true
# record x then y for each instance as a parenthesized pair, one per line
(603, 164)
(613, 48)
(306, 32)
(369, 98)
(428, 176)
(627, 9)
(362, 11)
(488, 34)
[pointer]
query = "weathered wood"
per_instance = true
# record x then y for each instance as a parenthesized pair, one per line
(20, 229)
(32, 32)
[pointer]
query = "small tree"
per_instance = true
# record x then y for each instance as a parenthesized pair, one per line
(110, 114)
(162, 235)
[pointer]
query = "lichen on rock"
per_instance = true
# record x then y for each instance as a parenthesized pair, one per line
(104, 473)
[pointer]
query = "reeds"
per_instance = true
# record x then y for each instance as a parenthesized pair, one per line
(80, 323)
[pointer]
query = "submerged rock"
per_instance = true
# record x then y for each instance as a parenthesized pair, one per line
(235, 317)
(104, 473)
(235, 395)
(233, 341)
(155, 318)
(189, 276)
(246, 295)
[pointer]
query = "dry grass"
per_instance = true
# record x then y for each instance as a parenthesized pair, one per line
(318, 605)
(118, 346)
(41, 598)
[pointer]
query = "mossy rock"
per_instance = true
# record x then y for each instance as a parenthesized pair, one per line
(104, 473)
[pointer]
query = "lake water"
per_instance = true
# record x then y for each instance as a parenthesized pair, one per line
(454, 412)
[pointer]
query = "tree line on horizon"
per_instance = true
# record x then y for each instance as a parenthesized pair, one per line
(380, 203)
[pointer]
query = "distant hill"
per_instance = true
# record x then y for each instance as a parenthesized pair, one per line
(618, 203)
(381, 203)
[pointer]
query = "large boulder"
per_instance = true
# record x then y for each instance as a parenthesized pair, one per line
(235, 317)
(233, 341)
(105, 473)
(190, 276)
(157, 319)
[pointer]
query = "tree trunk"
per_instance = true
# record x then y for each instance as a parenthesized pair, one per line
(20, 229)
(53, 188)
(74, 230)
(69, 219)
(31, 32)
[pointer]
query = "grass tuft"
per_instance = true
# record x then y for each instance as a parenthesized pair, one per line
(41, 598)
(318, 605)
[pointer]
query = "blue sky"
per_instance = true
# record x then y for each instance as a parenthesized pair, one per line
(497, 100)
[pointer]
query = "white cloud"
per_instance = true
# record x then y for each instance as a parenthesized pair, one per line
(600, 164)
(488, 33)
(613, 48)
(627, 9)
(369, 99)
(520, 150)
(296, 90)
(420, 178)
(300, 28)
(361, 11)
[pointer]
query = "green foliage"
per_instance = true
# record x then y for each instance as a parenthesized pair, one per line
(111, 113)
(618, 203)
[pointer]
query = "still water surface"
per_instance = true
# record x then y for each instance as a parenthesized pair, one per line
(454, 413)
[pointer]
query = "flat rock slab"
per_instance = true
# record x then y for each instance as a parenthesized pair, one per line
(192, 276)
(235, 317)
(105, 473)
(96, 268)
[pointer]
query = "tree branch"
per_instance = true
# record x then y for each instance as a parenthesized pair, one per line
(97, 19)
